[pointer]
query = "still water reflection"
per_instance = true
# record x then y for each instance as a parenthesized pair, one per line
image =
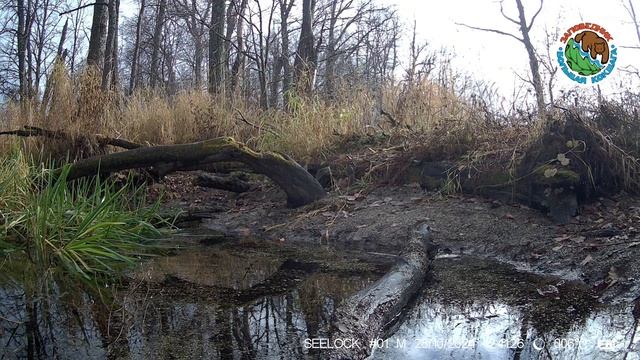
(226, 303)
(498, 331)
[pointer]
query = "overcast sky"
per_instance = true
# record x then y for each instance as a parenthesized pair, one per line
(494, 57)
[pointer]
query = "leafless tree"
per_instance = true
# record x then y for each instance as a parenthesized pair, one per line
(109, 72)
(157, 41)
(420, 63)
(216, 46)
(133, 77)
(258, 49)
(306, 55)
(22, 37)
(78, 35)
(525, 28)
(634, 18)
(285, 10)
(549, 62)
(98, 38)
(344, 16)
(194, 15)
(239, 61)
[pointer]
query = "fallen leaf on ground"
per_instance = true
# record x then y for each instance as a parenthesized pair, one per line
(549, 173)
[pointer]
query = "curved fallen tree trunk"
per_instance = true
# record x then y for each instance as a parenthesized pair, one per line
(300, 186)
(367, 315)
(30, 131)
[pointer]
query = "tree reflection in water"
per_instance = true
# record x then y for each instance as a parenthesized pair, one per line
(169, 318)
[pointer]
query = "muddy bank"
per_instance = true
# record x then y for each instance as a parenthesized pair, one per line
(600, 246)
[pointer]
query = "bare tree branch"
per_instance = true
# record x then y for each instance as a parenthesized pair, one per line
(533, 19)
(491, 30)
(632, 13)
(257, 127)
(505, 15)
(81, 7)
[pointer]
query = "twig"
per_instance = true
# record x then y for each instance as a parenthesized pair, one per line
(389, 117)
(82, 7)
(491, 30)
(259, 128)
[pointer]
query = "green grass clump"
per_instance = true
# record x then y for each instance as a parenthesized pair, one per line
(86, 230)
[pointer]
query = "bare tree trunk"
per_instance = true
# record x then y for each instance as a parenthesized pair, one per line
(238, 62)
(285, 10)
(60, 55)
(22, 50)
(97, 40)
(169, 60)
(305, 56)
(232, 18)
(133, 79)
(29, 65)
(114, 57)
(262, 80)
(197, 32)
(525, 28)
(331, 53)
(216, 46)
(40, 42)
(634, 18)
(198, 56)
(111, 43)
(157, 37)
(276, 77)
(533, 60)
(63, 38)
(76, 38)
(414, 55)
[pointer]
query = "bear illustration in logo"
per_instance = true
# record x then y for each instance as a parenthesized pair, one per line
(594, 44)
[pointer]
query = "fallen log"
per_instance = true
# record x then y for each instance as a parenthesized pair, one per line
(300, 187)
(228, 182)
(368, 314)
(30, 131)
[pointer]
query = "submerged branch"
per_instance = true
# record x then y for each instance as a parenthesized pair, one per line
(368, 314)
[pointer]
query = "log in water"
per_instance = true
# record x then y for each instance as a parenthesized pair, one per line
(365, 316)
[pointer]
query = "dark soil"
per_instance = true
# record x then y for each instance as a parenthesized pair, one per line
(601, 246)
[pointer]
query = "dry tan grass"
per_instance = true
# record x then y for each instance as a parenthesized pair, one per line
(431, 123)
(309, 129)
